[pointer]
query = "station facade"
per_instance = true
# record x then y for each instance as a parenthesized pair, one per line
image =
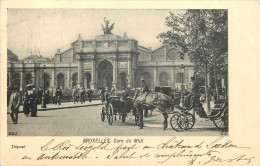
(105, 61)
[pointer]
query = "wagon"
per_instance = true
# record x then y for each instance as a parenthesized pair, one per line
(116, 105)
(185, 120)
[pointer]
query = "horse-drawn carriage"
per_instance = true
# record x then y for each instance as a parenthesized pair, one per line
(184, 120)
(180, 119)
(116, 105)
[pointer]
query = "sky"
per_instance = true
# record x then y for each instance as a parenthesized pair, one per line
(46, 30)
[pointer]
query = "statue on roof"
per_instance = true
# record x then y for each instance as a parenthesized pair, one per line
(107, 29)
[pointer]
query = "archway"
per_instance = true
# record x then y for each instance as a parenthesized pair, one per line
(123, 80)
(74, 79)
(60, 80)
(86, 80)
(105, 74)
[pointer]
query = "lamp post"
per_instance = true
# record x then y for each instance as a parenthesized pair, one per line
(226, 84)
(182, 89)
(43, 93)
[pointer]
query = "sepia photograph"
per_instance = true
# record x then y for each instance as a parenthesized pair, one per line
(115, 72)
(129, 83)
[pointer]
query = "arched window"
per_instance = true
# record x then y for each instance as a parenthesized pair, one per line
(180, 77)
(60, 80)
(164, 79)
(74, 79)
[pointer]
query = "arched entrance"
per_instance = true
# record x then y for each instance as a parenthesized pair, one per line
(105, 74)
(87, 80)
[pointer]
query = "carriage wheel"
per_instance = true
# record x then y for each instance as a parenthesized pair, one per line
(190, 121)
(222, 122)
(178, 121)
(110, 114)
(103, 113)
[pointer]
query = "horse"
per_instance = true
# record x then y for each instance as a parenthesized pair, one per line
(154, 100)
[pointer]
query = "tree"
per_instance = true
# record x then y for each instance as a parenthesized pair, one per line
(201, 35)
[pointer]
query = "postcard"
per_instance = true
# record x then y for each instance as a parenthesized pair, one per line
(130, 83)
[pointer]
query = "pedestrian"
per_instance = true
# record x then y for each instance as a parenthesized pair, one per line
(39, 94)
(102, 94)
(113, 91)
(26, 108)
(89, 92)
(47, 96)
(54, 100)
(14, 103)
(59, 95)
(82, 95)
(74, 94)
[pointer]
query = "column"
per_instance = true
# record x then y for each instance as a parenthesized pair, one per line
(34, 78)
(155, 76)
(68, 77)
(93, 75)
(129, 73)
(80, 70)
(21, 81)
(115, 74)
(53, 77)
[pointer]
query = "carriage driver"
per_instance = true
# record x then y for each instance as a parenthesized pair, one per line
(145, 89)
(194, 92)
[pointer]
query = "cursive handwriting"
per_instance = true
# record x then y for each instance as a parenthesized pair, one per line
(227, 144)
(203, 152)
(60, 146)
(171, 144)
(237, 159)
(123, 152)
(26, 157)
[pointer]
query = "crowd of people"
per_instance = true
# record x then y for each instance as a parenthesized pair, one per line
(32, 96)
(80, 94)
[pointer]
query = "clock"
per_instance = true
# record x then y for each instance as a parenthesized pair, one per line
(106, 44)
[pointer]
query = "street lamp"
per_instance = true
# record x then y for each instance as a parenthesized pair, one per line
(43, 93)
(226, 63)
(182, 89)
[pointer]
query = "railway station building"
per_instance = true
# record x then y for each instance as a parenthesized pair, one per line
(105, 61)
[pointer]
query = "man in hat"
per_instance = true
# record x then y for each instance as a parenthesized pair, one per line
(74, 94)
(14, 103)
(194, 91)
(89, 92)
(59, 95)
